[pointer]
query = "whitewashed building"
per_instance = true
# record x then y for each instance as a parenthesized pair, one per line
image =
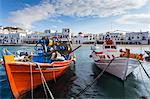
(83, 38)
(65, 35)
(149, 39)
(12, 35)
(118, 37)
(101, 38)
(137, 38)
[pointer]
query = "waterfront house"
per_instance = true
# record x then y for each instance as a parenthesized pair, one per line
(137, 38)
(118, 37)
(65, 35)
(84, 38)
(12, 35)
(101, 38)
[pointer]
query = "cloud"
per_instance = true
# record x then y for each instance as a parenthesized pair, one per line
(54, 27)
(55, 20)
(27, 16)
(134, 19)
(100, 8)
(73, 8)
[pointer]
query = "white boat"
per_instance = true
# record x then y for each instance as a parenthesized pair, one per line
(123, 63)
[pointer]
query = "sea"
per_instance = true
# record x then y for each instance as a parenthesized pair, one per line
(82, 73)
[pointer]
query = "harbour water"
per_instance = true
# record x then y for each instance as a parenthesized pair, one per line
(75, 79)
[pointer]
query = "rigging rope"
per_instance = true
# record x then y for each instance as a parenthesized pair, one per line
(43, 78)
(89, 85)
(31, 78)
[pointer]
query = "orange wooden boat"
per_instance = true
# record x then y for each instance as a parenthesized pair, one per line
(19, 73)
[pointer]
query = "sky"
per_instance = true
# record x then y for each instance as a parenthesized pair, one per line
(88, 16)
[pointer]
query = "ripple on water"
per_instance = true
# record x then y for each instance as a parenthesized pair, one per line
(73, 82)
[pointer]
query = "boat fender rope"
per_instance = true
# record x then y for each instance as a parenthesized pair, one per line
(89, 85)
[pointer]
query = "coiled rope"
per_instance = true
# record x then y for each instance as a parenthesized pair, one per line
(89, 85)
(44, 81)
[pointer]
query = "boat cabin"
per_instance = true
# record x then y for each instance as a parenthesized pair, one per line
(109, 44)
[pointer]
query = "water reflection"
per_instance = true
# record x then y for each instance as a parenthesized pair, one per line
(59, 89)
(72, 82)
(113, 87)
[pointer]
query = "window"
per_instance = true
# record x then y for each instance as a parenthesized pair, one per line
(143, 38)
(113, 47)
(107, 47)
(129, 38)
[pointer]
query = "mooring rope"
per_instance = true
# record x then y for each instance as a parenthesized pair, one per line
(144, 82)
(144, 69)
(44, 88)
(43, 78)
(89, 85)
(31, 78)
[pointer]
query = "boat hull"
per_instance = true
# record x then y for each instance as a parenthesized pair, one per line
(19, 74)
(120, 67)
